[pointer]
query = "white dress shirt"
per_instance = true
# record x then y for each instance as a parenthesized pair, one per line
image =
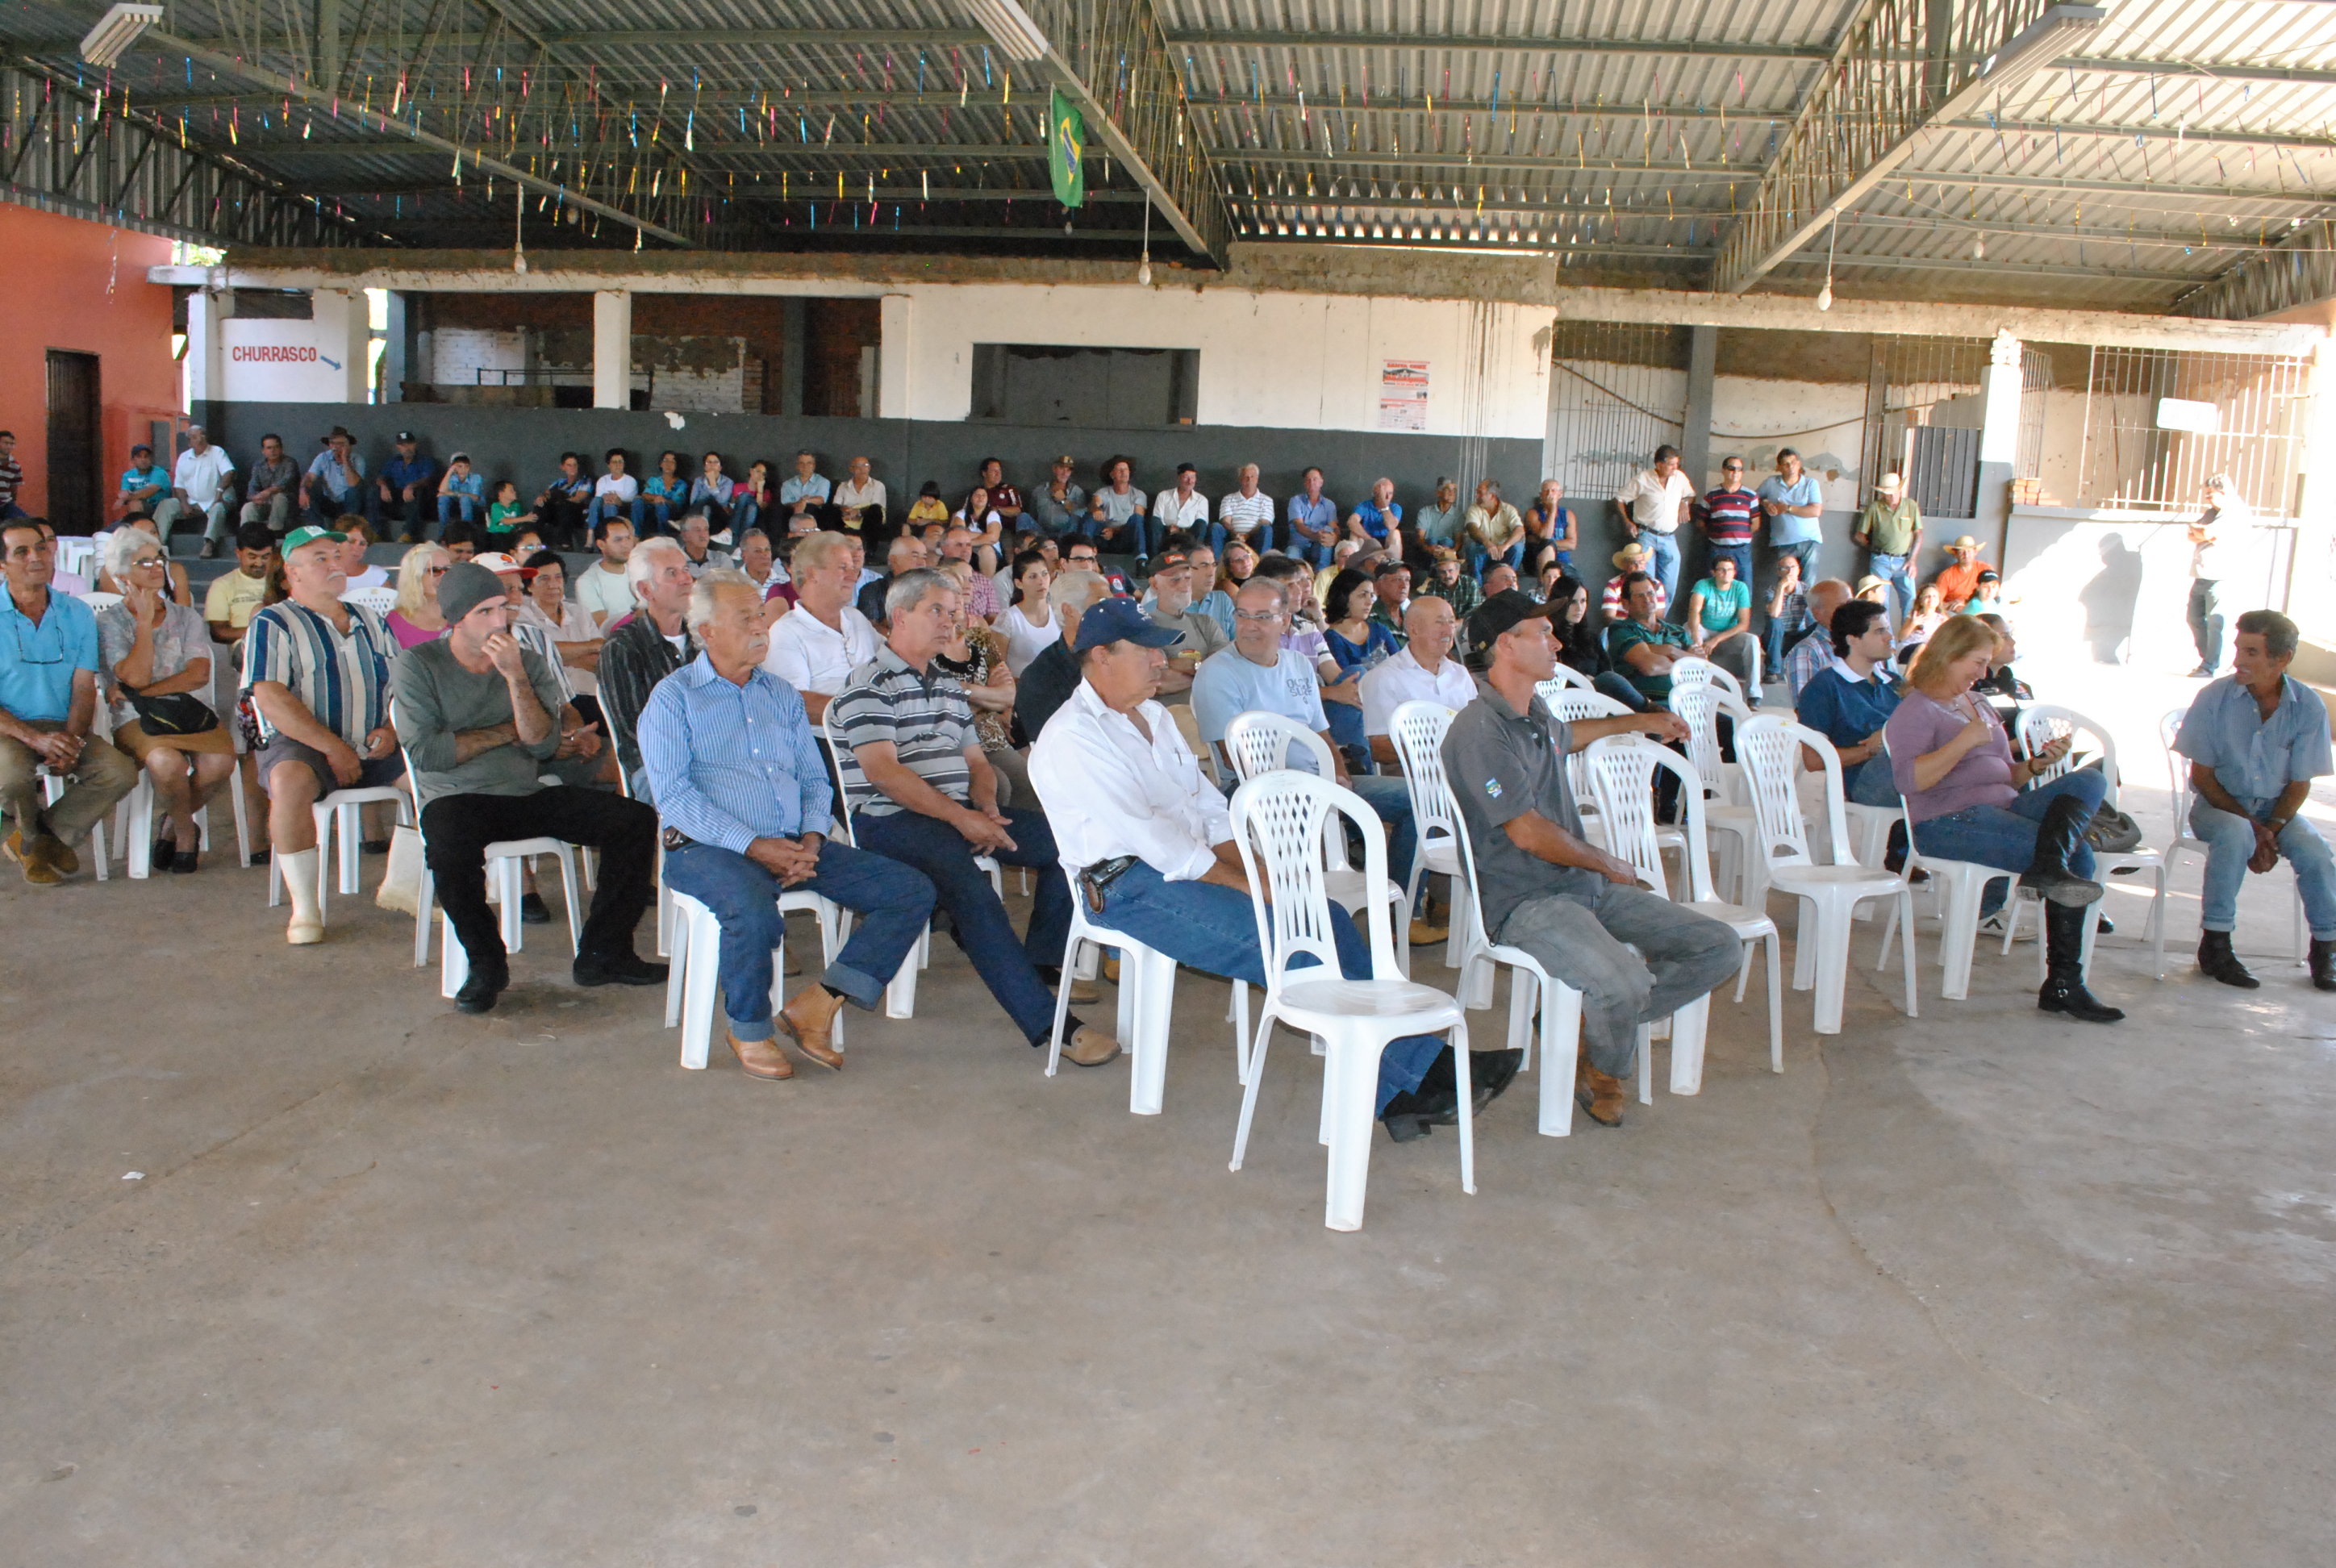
(1108, 792)
(1654, 503)
(1190, 512)
(811, 656)
(1402, 679)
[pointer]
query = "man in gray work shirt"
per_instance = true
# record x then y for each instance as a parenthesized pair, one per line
(479, 714)
(1543, 886)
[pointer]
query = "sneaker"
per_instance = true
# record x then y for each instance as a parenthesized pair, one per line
(1992, 926)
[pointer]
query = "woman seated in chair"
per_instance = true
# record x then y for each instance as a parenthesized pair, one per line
(1582, 646)
(1965, 802)
(157, 655)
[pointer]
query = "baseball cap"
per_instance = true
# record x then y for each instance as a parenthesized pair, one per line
(404, 436)
(310, 534)
(1162, 563)
(1066, 461)
(1504, 612)
(501, 563)
(1120, 619)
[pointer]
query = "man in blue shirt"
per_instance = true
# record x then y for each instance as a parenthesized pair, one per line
(2256, 740)
(805, 493)
(48, 700)
(145, 486)
(405, 487)
(1313, 523)
(334, 485)
(744, 796)
(1791, 501)
(1378, 521)
(462, 491)
(1849, 701)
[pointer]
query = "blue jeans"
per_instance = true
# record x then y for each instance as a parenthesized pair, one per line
(1898, 572)
(655, 516)
(1297, 544)
(1481, 559)
(1741, 554)
(1619, 688)
(449, 504)
(1007, 966)
(1870, 783)
(1663, 564)
(608, 506)
(2231, 841)
(1133, 537)
(1388, 795)
(1780, 642)
(2005, 835)
(1806, 553)
(1347, 730)
(893, 904)
(1214, 931)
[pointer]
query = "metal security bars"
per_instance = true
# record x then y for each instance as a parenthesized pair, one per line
(1617, 392)
(1925, 424)
(1904, 65)
(2158, 423)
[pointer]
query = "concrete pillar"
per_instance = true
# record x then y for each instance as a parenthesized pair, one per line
(343, 324)
(393, 356)
(1695, 432)
(895, 321)
(612, 348)
(206, 308)
(1999, 444)
(795, 316)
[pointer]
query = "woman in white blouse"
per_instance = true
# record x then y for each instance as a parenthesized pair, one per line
(1028, 623)
(546, 605)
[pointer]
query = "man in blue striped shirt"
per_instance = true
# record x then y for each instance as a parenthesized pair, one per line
(744, 798)
(320, 671)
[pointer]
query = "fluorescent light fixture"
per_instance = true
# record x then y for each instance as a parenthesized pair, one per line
(116, 31)
(1010, 25)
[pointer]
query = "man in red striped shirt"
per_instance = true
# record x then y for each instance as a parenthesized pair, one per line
(1726, 517)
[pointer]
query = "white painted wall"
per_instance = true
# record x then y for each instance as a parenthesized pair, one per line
(325, 359)
(1298, 361)
(1823, 420)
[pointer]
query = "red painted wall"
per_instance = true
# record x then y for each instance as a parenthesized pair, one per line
(69, 284)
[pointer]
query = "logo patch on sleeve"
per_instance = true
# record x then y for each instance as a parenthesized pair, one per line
(1493, 788)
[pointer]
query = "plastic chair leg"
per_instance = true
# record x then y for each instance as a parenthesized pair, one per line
(1777, 1003)
(241, 806)
(453, 963)
(1831, 965)
(1142, 971)
(425, 896)
(1906, 907)
(567, 875)
(1249, 1092)
(507, 880)
(1690, 1025)
(1349, 1091)
(352, 826)
(1560, 1039)
(698, 942)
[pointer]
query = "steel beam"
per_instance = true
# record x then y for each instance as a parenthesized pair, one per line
(2300, 270)
(1868, 110)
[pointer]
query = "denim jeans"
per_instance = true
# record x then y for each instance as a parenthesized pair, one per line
(2231, 841)
(893, 904)
(1316, 556)
(1580, 943)
(1663, 564)
(471, 511)
(2005, 835)
(1780, 642)
(1347, 731)
(1387, 794)
(1259, 537)
(1480, 560)
(1741, 554)
(654, 517)
(608, 506)
(1869, 782)
(1898, 572)
(1619, 688)
(2206, 618)
(1133, 537)
(1006, 965)
(1214, 929)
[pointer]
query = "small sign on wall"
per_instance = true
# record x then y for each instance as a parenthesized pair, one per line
(274, 360)
(2180, 414)
(1403, 394)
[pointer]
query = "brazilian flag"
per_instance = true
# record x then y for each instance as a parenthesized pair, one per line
(1066, 147)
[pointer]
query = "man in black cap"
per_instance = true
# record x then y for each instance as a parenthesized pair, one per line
(408, 486)
(1153, 843)
(1545, 887)
(479, 714)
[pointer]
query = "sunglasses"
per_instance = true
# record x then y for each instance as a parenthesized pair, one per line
(145, 561)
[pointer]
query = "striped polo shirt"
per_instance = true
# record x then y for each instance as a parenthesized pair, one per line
(1727, 515)
(340, 677)
(925, 717)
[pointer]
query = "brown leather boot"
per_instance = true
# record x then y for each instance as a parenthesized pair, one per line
(809, 1020)
(1598, 1094)
(762, 1058)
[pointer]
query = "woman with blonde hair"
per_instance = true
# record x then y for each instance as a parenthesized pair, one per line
(1966, 800)
(416, 619)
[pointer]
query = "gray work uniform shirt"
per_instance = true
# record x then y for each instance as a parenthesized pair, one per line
(1501, 765)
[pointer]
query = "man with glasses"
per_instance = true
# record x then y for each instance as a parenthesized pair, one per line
(48, 700)
(1726, 516)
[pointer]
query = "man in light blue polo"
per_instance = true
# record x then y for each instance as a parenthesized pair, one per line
(2256, 740)
(48, 700)
(1791, 501)
(1313, 523)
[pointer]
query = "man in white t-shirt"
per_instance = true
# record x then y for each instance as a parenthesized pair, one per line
(199, 483)
(1654, 503)
(1184, 507)
(615, 493)
(816, 646)
(1244, 514)
(603, 588)
(860, 500)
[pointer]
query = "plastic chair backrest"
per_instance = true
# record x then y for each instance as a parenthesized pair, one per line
(1188, 724)
(1574, 705)
(1622, 779)
(1697, 707)
(2044, 723)
(835, 759)
(2177, 769)
(1766, 746)
(1281, 820)
(536, 639)
(100, 603)
(1567, 678)
(1260, 742)
(1703, 672)
(1416, 731)
(1644, 757)
(380, 600)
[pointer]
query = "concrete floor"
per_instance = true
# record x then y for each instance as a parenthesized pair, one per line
(401, 1287)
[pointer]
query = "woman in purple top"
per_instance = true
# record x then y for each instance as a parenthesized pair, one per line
(1965, 802)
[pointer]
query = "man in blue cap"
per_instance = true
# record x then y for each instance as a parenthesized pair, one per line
(1154, 846)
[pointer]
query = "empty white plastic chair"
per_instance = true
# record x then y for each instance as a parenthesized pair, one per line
(695, 974)
(1567, 678)
(1768, 747)
(1699, 704)
(380, 600)
(1280, 820)
(1416, 730)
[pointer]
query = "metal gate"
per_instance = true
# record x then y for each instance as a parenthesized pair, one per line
(1925, 425)
(1618, 390)
(2158, 423)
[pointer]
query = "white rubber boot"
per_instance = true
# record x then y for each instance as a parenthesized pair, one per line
(301, 882)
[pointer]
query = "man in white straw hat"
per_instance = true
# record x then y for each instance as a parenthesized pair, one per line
(1890, 532)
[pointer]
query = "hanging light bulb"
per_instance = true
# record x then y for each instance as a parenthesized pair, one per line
(1833, 237)
(1978, 248)
(1143, 266)
(519, 234)
(1824, 296)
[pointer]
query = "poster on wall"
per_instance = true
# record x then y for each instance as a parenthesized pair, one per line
(1403, 394)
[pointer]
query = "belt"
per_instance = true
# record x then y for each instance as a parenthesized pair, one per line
(1094, 879)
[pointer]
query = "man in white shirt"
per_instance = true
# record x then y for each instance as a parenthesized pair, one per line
(1150, 846)
(615, 493)
(1425, 671)
(199, 483)
(1184, 508)
(1246, 513)
(603, 588)
(1654, 504)
(816, 646)
(860, 500)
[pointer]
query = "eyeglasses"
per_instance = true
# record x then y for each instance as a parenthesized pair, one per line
(24, 655)
(437, 570)
(146, 561)
(1258, 617)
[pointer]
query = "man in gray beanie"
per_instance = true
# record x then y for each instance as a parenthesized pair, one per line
(479, 717)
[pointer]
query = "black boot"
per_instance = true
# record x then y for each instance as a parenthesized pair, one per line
(2324, 964)
(2217, 961)
(2061, 835)
(2064, 985)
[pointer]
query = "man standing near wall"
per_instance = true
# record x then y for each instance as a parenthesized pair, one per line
(1653, 506)
(1890, 530)
(2210, 562)
(1791, 501)
(11, 476)
(1726, 516)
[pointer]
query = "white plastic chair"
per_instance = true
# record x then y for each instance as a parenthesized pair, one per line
(380, 600)
(1259, 743)
(1416, 730)
(1567, 678)
(2041, 724)
(1766, 746)
(1699, 704)
(696, 972)
(340, 808)
(900, 996)
(1622, 771)
(2185, 842)
(1282, 820)
(1147, 998)
(100, 603)
(53, 790)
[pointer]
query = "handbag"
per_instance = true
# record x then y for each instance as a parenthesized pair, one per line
(2112, 832)
(173, 713)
